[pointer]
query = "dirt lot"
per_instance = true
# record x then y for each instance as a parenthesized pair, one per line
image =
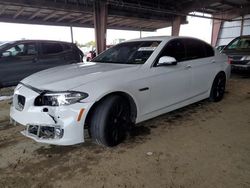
(202, 145)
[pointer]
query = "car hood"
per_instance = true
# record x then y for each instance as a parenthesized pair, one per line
(68, 77)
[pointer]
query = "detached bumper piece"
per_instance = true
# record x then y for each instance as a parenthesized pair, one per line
(45, 131)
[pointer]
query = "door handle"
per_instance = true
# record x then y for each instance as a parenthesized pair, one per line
(213, 61)
(188, 67)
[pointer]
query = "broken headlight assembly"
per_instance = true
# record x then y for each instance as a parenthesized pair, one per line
(59, 98)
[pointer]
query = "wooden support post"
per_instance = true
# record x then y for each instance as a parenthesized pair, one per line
(72, 34)
(100, 23)
(242, 26)
(215, 31)
(176, 24)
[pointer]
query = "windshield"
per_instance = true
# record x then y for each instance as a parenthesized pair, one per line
(128, 53)
(239, 44)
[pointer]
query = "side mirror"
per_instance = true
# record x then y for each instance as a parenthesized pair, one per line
(166, 61)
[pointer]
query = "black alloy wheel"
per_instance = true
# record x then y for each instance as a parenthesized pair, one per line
(218, 88)
(110, 121)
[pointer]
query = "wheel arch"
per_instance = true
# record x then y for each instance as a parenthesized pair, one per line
(221, 72)
(214, 77)
(125, 95)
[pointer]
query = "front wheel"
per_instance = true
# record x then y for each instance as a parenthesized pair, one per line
(109, 121)
(218, 88)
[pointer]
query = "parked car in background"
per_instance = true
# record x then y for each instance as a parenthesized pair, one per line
(127, 84)
(91, 55)
(238, 51)
(220, 48)
(19, 59)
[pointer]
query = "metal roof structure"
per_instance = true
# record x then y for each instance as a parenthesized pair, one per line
(147, 15)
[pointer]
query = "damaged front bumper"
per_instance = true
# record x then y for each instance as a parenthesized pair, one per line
(44, 131)
(59, 125)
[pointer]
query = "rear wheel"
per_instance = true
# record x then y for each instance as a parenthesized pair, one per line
(109, 122)
(218, 88)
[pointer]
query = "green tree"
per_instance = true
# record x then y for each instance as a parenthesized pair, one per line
(89, 44)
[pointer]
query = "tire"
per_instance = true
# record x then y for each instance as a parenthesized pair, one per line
(109, 122)
(88, 59)
(218, 88)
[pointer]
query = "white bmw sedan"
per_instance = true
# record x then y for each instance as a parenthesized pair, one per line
(127, 84)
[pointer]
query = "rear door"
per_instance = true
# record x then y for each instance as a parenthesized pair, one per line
(72, 54)
(200, 57)
(17, 62)
(51, 55)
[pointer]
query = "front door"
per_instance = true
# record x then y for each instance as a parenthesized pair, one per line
(170, 85)
(17, 62)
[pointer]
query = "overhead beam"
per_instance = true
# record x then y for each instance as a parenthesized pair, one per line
(49, 5)
(78, 18)
(2, 9)
(199, 4)
(19, 12)
(232, 4)
(34, 15)
(64, 17)
(124, 22)
(50, 16)
(87, 20)
(114, 20)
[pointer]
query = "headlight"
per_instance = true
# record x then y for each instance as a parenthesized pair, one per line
(59, 98)
(245, 58)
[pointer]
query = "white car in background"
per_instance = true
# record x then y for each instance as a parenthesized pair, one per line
(127, 84)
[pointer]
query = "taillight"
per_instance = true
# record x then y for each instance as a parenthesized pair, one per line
(229, 61)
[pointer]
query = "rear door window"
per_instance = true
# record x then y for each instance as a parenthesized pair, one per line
(51, 48)
(209, 50)
(67, 46)
(194, 49)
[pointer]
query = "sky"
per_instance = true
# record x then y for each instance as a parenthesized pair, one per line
(197, 27)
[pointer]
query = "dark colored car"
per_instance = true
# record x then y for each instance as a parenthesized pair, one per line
(238, 51)
(20, 59)
(220, 48)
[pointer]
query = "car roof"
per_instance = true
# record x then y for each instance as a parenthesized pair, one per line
(162, 38)
(38, 41)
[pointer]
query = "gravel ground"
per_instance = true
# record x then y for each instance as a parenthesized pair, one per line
(202, 145)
